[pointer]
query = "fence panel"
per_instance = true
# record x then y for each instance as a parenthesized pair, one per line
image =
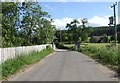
(10, 53)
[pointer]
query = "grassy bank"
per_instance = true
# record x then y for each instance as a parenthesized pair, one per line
(104, 53)
(10, 67)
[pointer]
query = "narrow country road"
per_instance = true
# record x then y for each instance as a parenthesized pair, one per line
(66, 66)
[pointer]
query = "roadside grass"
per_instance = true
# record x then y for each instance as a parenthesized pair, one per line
(104, 53)
(12, 66)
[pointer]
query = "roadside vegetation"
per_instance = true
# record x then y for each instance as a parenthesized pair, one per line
(12, 66)
(105, 53)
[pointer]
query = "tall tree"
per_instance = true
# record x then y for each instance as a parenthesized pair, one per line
(25, 24)
(9, 16)
(73, 28)
(78, 32)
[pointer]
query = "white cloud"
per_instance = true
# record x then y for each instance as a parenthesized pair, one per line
(61, 23)
(94, 21)
(99, 21)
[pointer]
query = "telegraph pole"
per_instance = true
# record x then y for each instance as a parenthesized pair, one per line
(115, 22)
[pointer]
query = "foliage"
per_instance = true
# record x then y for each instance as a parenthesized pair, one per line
(105, 54)
(73, 28)
(76, 32)
(97, 31)
(9, 15)
(84, 21)
(25, 24)
(11, 66)
(61, 46)
(109, 31)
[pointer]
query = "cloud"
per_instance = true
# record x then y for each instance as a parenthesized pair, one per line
(61, 23)
(94, 21)
(99, 21)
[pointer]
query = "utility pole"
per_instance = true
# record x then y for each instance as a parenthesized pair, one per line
(115, 22)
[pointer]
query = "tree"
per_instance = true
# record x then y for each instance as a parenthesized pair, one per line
(73, 28)
(84, 21)
(9, 16)
(78, 32)
(36, 24)
(46, 32)
(25, 24)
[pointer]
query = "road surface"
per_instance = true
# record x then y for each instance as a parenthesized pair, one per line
(66, 66)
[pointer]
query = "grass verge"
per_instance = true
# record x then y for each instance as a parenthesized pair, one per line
(105, 54)
(11, 66)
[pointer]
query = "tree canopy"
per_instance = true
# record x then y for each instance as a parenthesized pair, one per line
(25, 24)
(77, 32)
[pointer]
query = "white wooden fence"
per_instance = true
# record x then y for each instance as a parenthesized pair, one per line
(9, 53)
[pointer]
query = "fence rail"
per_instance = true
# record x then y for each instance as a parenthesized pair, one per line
(12, 52)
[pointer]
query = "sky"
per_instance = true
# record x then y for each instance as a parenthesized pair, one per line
(62, 12)
(97, 13)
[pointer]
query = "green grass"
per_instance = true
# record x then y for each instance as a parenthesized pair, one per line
(103, 52)
(98, 45)
(11, 66)
(69, 45)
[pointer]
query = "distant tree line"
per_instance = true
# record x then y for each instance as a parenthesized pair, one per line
(83, 33)
(106, 30)
(25, 24)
